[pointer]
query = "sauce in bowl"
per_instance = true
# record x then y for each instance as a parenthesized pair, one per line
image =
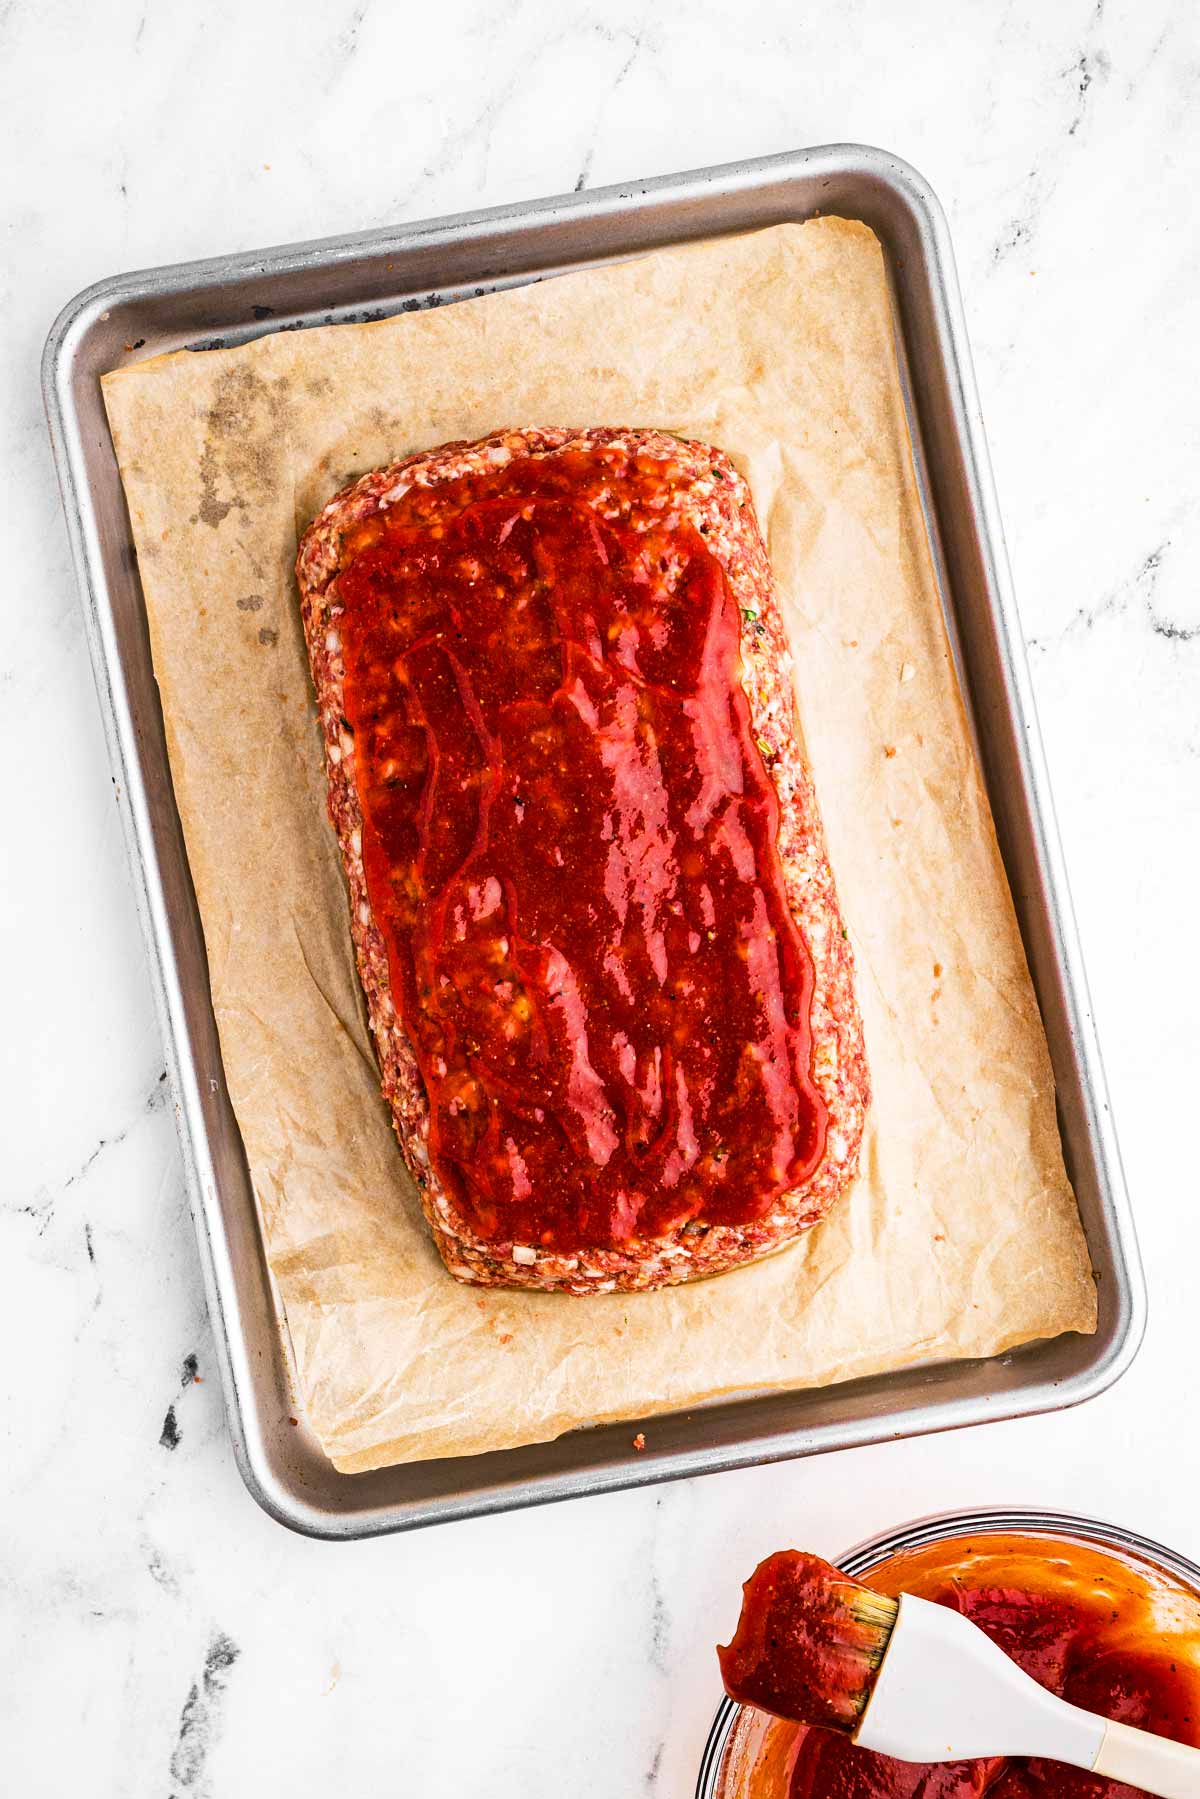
(1102, 1627)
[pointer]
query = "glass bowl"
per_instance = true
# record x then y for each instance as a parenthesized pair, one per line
(739, 1731)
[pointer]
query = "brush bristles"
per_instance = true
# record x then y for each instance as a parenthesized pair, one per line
(877, 1618)
(877, 1614)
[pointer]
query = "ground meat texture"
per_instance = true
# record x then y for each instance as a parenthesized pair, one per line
(609, 987)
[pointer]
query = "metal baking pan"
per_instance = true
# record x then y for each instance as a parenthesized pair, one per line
(233, 298)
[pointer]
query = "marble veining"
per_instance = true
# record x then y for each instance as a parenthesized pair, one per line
(1137, 592)
(158, 1635)
(200, 1719)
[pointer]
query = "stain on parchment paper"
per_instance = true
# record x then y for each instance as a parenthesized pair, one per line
(245, 438)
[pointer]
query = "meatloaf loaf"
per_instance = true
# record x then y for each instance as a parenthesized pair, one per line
(609, 986)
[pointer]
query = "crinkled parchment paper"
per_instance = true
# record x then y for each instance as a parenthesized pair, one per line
(962, 1237)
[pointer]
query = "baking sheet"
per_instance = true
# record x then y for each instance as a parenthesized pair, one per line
(962, 1238)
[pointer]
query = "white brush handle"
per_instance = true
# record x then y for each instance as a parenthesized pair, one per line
(946, 1692)
(1144, 1760)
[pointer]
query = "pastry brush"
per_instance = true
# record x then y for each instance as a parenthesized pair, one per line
(919, 1682)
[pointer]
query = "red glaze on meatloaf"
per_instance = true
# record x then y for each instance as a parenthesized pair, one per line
(608, 982)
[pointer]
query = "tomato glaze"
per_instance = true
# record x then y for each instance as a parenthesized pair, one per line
(802, 1648)
(570, 848)
(1103, 1631)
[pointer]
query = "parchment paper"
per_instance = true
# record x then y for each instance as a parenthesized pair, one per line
(962, 1236)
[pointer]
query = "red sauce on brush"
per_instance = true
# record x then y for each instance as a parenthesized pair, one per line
(800, 1649)
(1103, 1630)
(569, 846)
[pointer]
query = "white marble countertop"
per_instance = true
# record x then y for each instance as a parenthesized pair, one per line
(159, 1635)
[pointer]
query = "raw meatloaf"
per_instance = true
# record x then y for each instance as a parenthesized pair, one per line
(609, 986)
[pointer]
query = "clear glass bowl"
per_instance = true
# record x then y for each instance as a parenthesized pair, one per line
(728, 1731)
